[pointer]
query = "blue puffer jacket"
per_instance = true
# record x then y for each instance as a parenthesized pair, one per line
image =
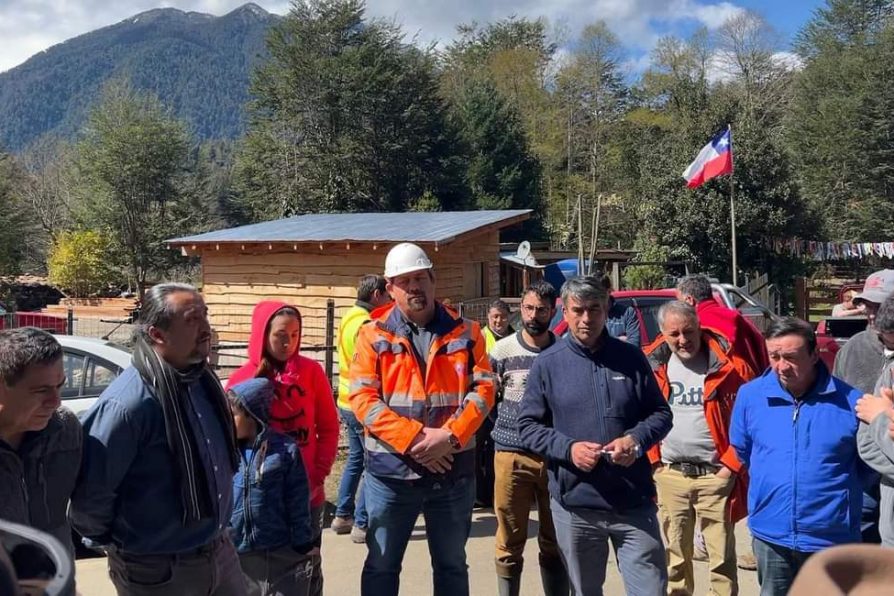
(805, 491)
(271, 495)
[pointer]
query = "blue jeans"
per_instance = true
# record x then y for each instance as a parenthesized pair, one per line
(350, 477)
(583, 536)
(393, 506)
(777, 566)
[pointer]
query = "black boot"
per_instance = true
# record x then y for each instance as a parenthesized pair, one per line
(555, 580)
(509, 586)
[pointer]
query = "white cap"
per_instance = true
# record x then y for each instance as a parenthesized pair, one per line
(405, 258)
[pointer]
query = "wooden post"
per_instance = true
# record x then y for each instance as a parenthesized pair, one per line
(801, 298)
(330, 343)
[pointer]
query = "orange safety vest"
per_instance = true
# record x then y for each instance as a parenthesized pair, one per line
(393, 398)
(726, 373)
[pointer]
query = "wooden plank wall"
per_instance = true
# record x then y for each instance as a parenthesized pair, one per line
(235, 280)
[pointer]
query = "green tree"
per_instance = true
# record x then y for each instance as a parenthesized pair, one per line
(839, 126)
(132, 162)
(347, 117)
(500, 173)
(14, 221)
(79, 263)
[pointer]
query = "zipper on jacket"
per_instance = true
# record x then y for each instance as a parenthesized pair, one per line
(42, 481)
(600, 417)
(795, 414)
(246, 498)
(25, 496)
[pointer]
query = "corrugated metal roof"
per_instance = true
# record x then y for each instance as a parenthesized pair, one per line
(441, 226)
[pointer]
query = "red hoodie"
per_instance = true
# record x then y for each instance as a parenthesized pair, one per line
(304, 407)
(747, 341)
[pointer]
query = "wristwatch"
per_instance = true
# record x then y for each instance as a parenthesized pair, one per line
(454, 442)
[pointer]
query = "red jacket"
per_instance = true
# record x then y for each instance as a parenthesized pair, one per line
(304, 408)
(746, 339)
(726, 373)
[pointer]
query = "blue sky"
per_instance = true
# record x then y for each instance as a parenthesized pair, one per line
(30, 26)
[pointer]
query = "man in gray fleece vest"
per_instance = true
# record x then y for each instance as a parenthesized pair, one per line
(859, 364)
(875, 411)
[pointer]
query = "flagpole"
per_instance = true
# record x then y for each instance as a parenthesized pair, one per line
(732, 214)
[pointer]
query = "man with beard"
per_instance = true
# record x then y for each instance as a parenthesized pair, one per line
(859, 363)
(696, 470)
(160, 453)
(592, 408)
(421, 385)
(520, 476)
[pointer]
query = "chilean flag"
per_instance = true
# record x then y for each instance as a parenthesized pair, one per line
(715, 159)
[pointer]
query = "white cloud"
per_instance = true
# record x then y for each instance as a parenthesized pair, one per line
(27, 26)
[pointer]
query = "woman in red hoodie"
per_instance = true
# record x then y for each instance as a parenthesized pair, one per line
(304, 407)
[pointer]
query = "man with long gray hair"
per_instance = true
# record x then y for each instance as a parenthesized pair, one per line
(160, 455)
(592, 408)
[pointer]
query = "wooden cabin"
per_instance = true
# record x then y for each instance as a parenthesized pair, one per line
(308, 259)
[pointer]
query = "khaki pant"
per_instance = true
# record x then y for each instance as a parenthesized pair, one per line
(682, 500)
(520, 481)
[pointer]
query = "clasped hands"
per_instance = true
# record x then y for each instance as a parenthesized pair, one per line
(622, 451)
(431, 447)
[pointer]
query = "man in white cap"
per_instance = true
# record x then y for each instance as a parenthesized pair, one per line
(859, 364)
(421, 385)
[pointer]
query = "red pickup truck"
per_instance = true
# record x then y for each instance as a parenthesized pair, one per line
(9, 320)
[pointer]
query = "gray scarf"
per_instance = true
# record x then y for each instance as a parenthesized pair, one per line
(170, 388)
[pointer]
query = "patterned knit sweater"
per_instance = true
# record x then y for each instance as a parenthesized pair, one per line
(511, 359)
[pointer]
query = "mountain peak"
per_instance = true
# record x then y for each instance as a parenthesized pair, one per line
(191, 61)
(254, 9)
(156, 14)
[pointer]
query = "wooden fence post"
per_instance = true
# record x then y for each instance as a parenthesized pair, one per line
(330, 342)
(801, 298)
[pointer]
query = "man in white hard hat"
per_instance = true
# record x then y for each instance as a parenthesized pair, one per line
(421, 385)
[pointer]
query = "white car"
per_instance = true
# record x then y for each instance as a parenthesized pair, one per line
(90, 366)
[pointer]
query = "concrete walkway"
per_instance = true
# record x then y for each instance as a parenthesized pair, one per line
(343, 561)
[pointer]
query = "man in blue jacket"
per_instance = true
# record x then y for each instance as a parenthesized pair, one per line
(795, 429)
(593, 408)
(155, 488)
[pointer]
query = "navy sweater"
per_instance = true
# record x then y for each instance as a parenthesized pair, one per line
(575, 395)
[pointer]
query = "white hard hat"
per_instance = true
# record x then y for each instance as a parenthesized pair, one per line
(405, 258)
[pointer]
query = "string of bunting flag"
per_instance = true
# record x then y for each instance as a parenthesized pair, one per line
(830, 251)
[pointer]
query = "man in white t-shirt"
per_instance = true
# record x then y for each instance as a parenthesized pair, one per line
(697, 474)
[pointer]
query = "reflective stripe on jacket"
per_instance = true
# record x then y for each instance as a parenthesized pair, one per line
(727, 372)
(347, 334)
(394, 399)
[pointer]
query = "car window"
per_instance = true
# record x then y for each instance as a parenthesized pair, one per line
(99, 376)
(73, 364)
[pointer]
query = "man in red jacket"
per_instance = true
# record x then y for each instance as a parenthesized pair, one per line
(746, 339)
(700, 480)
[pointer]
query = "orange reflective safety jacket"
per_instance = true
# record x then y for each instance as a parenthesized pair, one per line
(394, 398)
(727, 372)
